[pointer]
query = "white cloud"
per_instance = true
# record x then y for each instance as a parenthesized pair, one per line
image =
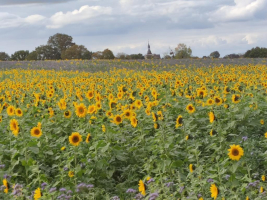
(85, 13)
(243, 10)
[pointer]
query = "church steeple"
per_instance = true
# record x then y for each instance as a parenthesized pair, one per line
(148, 51)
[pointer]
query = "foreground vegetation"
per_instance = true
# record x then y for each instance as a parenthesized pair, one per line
(164, 132)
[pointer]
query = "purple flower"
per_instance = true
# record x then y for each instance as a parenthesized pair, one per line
(69, 192)
(244, 138)
(62, 190)
(210, 180)
(115, 198)
(2, 166)
(7, 176)
(181, 189)
(66, 168)
(43, 185)
(150, 180)
(153, 196)
(169, 184)
(199, 195)
(227, 176)
(130, 190)
(138, 196)
(53, 189)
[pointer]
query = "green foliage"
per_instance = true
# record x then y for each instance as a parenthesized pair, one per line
(215, 54)
(182, 51)
(76, 52)
(47, 52)
(60, 42)
(20, 55)
(4, 56)
(256, 53)
(32, 56)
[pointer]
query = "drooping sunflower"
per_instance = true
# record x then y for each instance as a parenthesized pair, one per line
(154, 116)
(214, 191)
(179, 121)
(190, 108)
(263, 177)
(261, 189)
(235, 152)
(117, 119)
(10, 110)
(75, 139)
(134, 121)
(14, 127)
(91, 109)
(71, 174)
(191, 168)
(67, 114)
(19, 112)
(142, 188)
(160, 115)
(37, 194)
(104, 128)
(211, 116)
(156, 125)
(88, 138)
(236, 98)
(81, 110)
(5, 183)
(36, 132)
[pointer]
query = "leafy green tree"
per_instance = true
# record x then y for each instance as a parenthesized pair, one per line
(108, 54)
(4, 56)
(215, 54)
(256, 53)
(76, 52)
(182, 51)
(20, 55)
(121, 55)
(60, 42)
(98, 55)
(47, 52)
(32, 56)
(137, 56)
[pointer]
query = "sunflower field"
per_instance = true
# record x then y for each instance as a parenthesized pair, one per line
(141, 130)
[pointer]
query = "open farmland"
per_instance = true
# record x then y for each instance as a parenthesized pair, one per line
(166, 129)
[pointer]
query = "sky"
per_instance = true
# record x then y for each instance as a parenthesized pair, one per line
(227, 26)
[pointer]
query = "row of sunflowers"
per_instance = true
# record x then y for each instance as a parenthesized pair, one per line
(185, 133)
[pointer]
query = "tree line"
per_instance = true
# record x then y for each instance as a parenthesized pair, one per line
(61, 46)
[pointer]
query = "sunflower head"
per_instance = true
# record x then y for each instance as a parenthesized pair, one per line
(5, 183)
(19, 112)
(190, 108)
(75, 139)
(37, 194)
(142, 188)
(235, 152)
(117, 119)
(67, 114)
(214, 191)
(88, 138)
(81, 110)
(71, 174)
(36, 132)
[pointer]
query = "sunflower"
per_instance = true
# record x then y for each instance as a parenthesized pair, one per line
(138, 103)
(5, 183)
(160, 115)
(155, 117)
(211, 116)
(117, 119)
(263, 177)
(112, 104)
(236, 98)
(214, 191)
(190, 108)
(75, 139)
(71, 174)
(134, 121)
(156, 126)
(218, 100)
(247, 198)
(212, 132)
(36, 132)
(88, 138)
(179, 121)
(226, 106)
(62, 148)
(67, 114)
(262, 121)
(210, 102)
(14, 127)
(261, 190)
(265, 135)
(104, 128)
(235, 152)
(187, 137)
(90, 94)
(19, 112)
(81, 110)
(191, 168)
(91, 109)
(142, 188)
(37, 194)
(1, 119)
(10, 110)
(127, 114)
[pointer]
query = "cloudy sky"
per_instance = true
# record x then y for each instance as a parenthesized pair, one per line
(229, 26)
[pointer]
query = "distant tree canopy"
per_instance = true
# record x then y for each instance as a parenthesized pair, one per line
(76, 52)
(60, 42)
(4, 56)
(124, 56)
(182, 51)
(20, 55)
(47, 52)
(233, 55)
(256, 53)
(32, 56)
(215, 54)
(108, 54)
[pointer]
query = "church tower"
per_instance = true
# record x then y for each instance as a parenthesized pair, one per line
(148, 51)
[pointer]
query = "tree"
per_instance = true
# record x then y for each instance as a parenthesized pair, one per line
(4, 56)
(32, 56)
(76, 52)
(20, 55)
(60, 42)
(121, 55)
(47, 52)
(215, 54)
(97, 55)
(256, 53)
(233, 55)
(182, 51)
(137, 56)
(108, 54)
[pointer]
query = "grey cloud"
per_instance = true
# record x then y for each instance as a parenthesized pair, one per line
(14, 2)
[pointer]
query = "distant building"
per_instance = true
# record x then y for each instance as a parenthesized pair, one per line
(149, 54)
